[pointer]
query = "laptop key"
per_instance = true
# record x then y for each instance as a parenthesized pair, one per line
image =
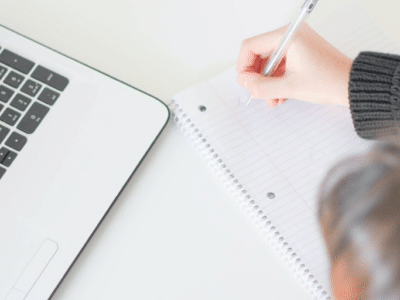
(3, 133)
(3, 71)
(2, 172)
(3, 153)
(14, 79)
(9, 159)
(33, 118)
(15, 61)
(1, 107)
(16, 141)
(20, 102)
(48, 96)
(10, 116)
(31, 88)
(51, 78)
(5, 93)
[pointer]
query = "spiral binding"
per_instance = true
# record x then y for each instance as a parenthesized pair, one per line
(260, 220)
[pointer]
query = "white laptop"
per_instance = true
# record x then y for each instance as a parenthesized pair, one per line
(70, 139)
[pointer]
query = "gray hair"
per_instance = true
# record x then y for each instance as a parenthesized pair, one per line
(359, 207)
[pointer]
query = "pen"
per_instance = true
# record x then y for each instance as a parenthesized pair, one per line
(280, 52)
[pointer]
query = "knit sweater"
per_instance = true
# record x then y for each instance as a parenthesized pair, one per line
(374, 93)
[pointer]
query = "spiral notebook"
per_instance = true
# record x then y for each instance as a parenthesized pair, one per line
(272, 160)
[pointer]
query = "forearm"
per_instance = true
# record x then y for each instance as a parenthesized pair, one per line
(374, 94)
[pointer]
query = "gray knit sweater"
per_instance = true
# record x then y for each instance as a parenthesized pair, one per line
(374, 93)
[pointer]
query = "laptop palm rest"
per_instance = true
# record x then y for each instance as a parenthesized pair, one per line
(33, 271)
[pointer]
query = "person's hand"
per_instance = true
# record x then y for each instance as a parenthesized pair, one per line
(312, 70)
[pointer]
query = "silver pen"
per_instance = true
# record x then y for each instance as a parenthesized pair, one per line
(280, 52)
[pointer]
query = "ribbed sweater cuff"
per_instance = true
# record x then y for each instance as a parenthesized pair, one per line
(374, 93)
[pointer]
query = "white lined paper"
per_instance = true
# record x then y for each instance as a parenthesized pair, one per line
(286, 150)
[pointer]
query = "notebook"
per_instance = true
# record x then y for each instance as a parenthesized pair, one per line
(273, 160)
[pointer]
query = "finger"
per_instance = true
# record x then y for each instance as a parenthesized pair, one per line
(280, 69)
(258, 68)
(282, 101)
(257, 46)
(259, 64)
(241, 80)
(261, 87)
(245, 61)
(270, 102)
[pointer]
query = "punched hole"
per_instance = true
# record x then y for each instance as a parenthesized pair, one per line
(271, 195)
(202, 108)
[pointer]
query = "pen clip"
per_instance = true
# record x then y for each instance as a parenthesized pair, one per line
(309, 5)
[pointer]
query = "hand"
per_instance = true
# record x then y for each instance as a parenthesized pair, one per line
(312, 70)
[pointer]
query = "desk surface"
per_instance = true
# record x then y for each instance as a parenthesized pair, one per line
(175, 233)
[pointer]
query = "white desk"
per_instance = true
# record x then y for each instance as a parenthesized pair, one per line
(175, 233)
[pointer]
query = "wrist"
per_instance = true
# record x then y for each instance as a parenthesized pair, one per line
(343, 99)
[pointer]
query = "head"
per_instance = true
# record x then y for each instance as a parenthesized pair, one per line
(359, 213)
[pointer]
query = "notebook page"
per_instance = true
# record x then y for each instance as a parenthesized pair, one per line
(285, 150)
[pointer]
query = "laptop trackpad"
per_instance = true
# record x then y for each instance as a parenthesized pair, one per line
(33, 271)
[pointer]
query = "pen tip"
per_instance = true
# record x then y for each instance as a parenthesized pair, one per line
(248, 101)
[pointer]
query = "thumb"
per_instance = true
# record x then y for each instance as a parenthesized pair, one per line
(262, 87)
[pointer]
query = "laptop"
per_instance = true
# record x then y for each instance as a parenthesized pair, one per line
(71, 138)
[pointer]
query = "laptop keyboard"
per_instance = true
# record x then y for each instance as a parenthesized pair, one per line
(27, 92)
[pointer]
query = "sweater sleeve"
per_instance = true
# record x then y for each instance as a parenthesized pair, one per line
(374, 94)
